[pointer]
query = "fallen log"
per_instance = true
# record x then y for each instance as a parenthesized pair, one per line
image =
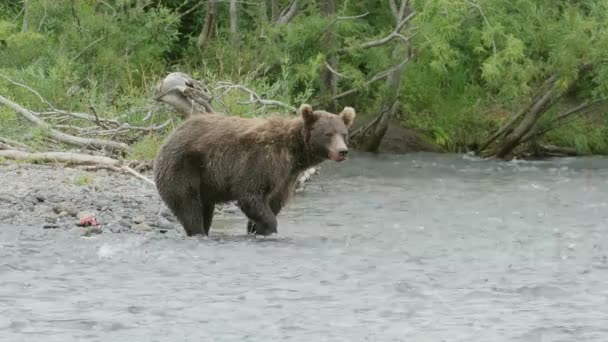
(69, 158)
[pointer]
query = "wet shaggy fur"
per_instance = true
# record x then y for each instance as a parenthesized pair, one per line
(213, 158)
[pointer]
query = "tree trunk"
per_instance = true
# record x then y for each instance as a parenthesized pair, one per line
(329, 80)
(26, 11)
(263, 11)
(513, 139)
(210, 19)
(289, 13)
(234, 23)
(370, 137)
(372, 140)
(274, 8)
(521, 124)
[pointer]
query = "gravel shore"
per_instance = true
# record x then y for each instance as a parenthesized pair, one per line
(57, 197)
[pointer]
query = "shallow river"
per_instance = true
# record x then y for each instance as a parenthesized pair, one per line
(387, 248)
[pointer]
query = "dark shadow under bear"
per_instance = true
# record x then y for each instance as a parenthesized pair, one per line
(212, 158)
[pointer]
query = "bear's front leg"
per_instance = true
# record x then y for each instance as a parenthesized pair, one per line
(275, 206)
(262, 220)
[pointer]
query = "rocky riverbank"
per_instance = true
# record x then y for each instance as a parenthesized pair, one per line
(57, 197)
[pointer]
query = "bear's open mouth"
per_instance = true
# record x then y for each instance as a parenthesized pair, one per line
(335, 156)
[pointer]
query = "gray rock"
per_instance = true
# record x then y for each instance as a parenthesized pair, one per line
(7, 215)
(62, 214)
(166, 213)
(142, 227)
(125, 223)
(88, 231)
(7, 199)
(139, 219)
(59, 208)
(164, 224)
(51, 218)
(115, 228)
(65, 207)
(40, 198)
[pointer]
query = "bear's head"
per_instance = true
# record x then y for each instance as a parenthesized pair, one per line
(326, 133)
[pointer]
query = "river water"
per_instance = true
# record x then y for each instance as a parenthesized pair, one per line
(420, 247)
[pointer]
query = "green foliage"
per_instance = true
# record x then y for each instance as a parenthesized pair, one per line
(146, 148)
(83, 179)
(475, 61)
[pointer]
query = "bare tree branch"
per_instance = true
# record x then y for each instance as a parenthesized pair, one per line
(562, 118)
(289, 13)
(334, 71)
(377, 77)
(392, 35)
(87, 47)
(483, 15)
(254, 98)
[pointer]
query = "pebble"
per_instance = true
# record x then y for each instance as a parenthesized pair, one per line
(166, 213)
(142, 227)
(88, 231)
(139, 219)
(7, 215)
(65, 207)
(7, 199)
(51, 218)
(164, 224)
(40, 198)
(115, 228)
(125, 223)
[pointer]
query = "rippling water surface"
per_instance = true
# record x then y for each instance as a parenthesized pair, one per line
(380, 248)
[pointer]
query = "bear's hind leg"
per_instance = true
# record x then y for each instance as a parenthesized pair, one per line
(188, 209)
(208, 211)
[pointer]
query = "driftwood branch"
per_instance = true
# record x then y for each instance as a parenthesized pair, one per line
(62, 137)
(183, 93)
(12, 144)
(73, 159)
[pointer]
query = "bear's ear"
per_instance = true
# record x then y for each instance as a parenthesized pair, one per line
(348, 116)
(308, 114)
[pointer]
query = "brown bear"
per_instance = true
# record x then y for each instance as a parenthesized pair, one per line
(213, 158)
